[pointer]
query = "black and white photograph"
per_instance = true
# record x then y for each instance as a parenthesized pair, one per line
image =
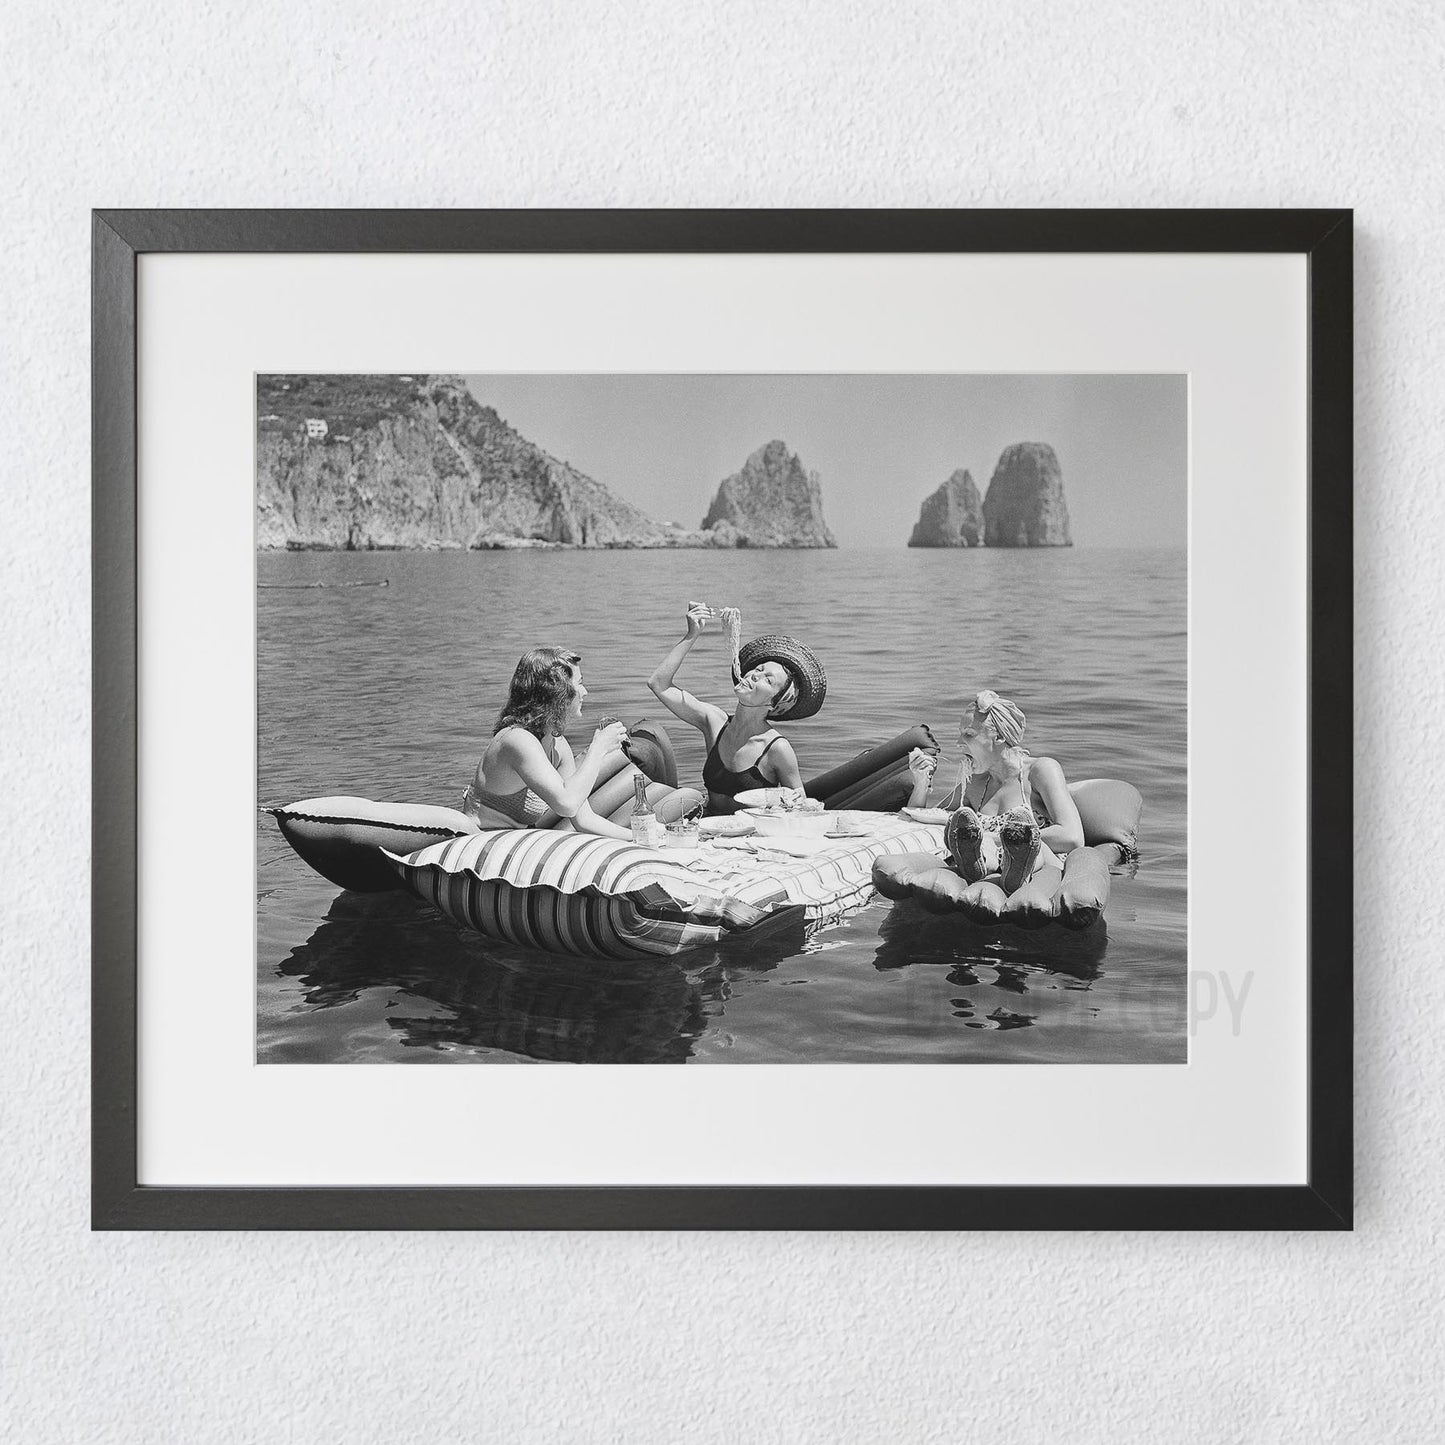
(722, 718)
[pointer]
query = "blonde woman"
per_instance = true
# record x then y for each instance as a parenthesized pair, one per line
(1013, 816)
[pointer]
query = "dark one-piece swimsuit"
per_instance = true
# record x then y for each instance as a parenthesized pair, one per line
(723, 784)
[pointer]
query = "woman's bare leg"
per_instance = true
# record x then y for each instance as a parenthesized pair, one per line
(963, 836)
(1021, 842)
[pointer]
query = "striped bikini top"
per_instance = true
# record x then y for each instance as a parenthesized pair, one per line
(521, 809)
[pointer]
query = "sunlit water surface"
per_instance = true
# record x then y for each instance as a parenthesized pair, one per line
(390, 693)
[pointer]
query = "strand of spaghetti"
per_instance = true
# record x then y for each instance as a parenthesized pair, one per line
(732, 620)
(733, 623)
(965, 776)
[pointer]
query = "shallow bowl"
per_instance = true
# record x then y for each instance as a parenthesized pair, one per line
(783, 825)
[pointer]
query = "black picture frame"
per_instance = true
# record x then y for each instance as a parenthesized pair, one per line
(119, 1201)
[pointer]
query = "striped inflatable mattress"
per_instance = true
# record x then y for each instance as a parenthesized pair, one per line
(604, 898)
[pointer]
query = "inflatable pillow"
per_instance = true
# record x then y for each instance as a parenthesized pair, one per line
(342, 837)
(1109, 810)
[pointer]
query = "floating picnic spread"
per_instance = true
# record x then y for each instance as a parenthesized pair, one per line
(602, 897)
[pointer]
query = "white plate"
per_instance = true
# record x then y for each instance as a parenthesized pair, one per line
(936, 816)
(726, 826)
(761, 797)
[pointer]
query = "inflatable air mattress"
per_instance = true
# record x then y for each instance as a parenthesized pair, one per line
(1109, 811)
(602, 898)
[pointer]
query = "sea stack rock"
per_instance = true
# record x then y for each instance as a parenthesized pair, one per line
(1025, 504)
(772, 502)
(362, 462)
(952, 516)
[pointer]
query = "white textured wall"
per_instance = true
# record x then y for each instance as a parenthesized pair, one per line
(699, 102)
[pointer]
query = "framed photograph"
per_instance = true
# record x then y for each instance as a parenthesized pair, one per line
(833, 647)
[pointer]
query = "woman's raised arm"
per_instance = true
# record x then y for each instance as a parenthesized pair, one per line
(706, 718)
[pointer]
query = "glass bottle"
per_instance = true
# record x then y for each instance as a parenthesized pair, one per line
(646, 828)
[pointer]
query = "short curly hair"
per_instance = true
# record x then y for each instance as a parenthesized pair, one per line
(543, 686)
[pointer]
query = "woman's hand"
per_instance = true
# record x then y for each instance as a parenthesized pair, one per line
(608, 739)
(922, 765)
(699, 614)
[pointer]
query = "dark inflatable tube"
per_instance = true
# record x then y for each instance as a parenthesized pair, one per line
(878, 779)
(649, 746)
(341, 837)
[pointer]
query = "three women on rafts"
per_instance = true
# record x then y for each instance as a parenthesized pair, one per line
(1010, 816)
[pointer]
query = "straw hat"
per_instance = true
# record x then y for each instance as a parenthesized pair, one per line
(805, 670)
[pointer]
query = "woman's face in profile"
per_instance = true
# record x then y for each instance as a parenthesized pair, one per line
(975, 738)
(579, 692)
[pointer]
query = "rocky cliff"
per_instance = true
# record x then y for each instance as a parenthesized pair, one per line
(952, 516)
(360, 462)
(771, 502)
(1025, 504)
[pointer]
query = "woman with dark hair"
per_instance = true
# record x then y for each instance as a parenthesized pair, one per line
(528, 774)
(777, 679)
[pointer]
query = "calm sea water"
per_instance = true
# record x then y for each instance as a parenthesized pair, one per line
(390, 692)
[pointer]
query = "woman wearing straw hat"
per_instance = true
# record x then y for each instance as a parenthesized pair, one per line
(1014, 815)
(778, 680)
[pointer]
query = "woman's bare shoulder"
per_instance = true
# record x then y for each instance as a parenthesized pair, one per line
(514, 742)
(1046, 770)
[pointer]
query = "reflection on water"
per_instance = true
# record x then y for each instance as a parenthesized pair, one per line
(536, 1006)
(911, 936)
(980, 959)
(515, 1000)
(361, 692)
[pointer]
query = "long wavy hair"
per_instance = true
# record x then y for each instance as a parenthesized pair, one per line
(541, 692)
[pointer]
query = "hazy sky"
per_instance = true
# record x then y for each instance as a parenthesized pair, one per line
(879, 443)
